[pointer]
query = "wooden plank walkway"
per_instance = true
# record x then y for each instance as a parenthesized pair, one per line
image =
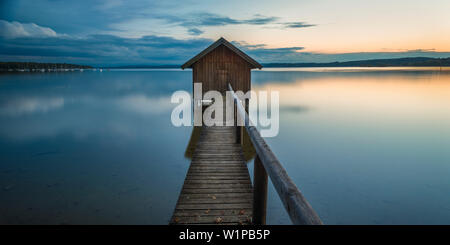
(217, 188)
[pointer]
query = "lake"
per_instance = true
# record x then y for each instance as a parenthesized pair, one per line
(364, 145)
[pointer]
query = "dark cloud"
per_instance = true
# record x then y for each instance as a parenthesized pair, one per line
(199, 20)
(268, 55)
(30, 42)
(260, 20)
(421, 50)
(110, 50)
(210, 19)
(103, 49)
(298, 54)
(297, 25)
(195, 31)
(94, 16)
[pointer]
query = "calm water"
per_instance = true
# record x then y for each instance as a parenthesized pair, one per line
(365, 146)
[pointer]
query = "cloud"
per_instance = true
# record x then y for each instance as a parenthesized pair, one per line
(194, 21)
(421, 50)
(195, 31)
(297, 54)
(16, 29)
(264, 54)
(112, 50)
(100, 50)
(210, 19)
(260, 20)
(297, 25)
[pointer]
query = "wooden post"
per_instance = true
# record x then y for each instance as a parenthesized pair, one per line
(238, 128)
(238, 134)
(246, 121)
(241, 134)
(259, 193)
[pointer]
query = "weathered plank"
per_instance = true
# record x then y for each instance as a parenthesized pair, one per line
(217, 188)
(238, 219)
(221, 190)
(218, 206)
(213, 212)
(217, 177)
(218, 195)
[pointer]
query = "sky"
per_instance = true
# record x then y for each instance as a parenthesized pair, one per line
(143, 32)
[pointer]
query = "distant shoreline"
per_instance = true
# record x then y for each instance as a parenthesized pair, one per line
(7, 67)
(13, 67)
(400, 62)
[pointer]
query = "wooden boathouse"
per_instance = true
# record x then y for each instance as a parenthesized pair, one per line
(218, 188)
(222, 63)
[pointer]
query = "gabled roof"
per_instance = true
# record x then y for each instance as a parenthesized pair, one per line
(222, 41)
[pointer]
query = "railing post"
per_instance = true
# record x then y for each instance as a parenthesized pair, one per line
(259, 193)
(241, 132)
(245, 121)
(238, 128)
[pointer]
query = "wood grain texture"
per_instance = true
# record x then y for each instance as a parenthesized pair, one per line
(217, 188)
(220, 67)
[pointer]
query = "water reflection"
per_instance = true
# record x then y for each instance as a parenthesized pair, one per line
(365, 146)
(90, 148)
(373, 148)
(147, 105)
(20, 106)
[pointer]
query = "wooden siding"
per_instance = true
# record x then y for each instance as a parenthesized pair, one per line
(220, 67)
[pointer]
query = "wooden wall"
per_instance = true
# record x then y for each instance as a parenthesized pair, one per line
(219, 67)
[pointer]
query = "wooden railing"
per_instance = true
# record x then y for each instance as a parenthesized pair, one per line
(267, 164)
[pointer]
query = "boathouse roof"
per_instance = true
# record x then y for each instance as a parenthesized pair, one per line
(253, 63)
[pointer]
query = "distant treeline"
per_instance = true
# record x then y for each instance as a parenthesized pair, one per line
(417, 61)
(34, 66)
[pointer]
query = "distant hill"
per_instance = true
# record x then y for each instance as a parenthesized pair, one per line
(416, 61)
(34, 66)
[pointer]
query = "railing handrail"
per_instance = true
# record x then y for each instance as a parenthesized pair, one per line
(298, 208)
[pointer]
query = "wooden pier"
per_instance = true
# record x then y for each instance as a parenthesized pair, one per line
(217, 188)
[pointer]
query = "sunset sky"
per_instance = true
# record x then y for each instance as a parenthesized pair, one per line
(119, 32)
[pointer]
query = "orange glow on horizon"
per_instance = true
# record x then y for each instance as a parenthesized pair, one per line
(394, 93)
